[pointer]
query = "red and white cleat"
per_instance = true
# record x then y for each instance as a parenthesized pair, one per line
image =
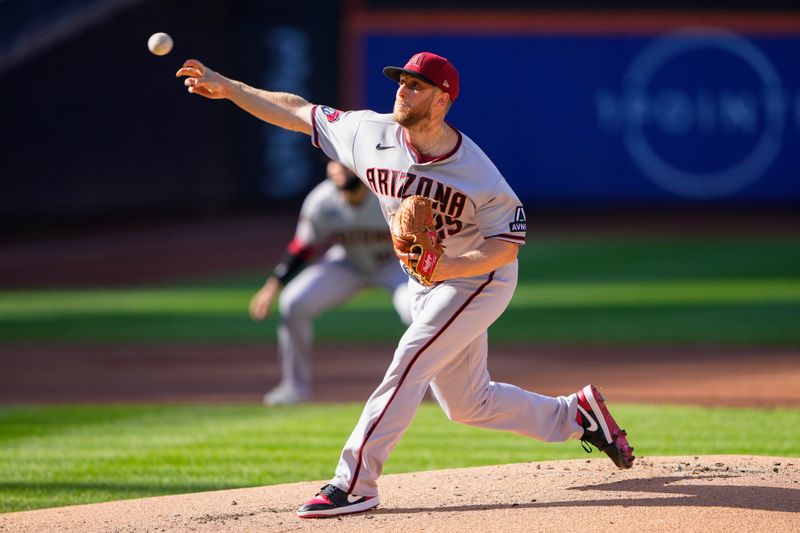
(333, 501)
(600, 429)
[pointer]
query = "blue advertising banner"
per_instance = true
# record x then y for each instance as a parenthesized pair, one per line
(674, 117)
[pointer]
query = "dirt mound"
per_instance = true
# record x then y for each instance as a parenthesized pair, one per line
(705, 493)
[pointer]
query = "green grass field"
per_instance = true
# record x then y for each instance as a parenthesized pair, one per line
(572, 290)
(705, 291)
(51, 456)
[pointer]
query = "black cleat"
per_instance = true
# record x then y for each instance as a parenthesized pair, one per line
(333, 501)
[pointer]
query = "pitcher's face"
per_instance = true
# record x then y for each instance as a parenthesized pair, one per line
(413, 101)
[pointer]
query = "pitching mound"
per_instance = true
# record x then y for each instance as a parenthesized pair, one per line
(706, 493)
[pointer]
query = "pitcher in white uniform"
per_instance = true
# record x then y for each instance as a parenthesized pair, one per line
(339, 211)
(482, 224)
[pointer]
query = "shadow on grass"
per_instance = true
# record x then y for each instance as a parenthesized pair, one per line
(144, 488)
(42, 495)
(683, 495)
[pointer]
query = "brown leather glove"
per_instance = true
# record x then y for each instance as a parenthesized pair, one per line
(413, 233)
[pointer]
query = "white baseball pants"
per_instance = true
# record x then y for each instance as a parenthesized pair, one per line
(446, 347)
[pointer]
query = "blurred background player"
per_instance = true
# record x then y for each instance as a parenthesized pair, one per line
(342, 212)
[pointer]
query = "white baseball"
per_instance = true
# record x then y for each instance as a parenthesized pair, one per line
(160, 43)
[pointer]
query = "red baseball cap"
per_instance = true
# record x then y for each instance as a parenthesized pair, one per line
(434, 69)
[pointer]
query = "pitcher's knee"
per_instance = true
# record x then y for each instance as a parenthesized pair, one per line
(291, 307)
(469, 412)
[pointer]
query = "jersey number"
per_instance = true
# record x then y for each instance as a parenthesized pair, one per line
(446, 225)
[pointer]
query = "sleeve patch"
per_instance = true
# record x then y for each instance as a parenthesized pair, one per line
(520, 222)
(330, 113)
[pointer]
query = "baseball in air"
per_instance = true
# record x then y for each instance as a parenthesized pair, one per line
(160, 43)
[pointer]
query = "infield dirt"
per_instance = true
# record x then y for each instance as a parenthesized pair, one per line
(705, 493)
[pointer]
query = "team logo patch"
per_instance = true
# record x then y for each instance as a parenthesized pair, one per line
(520, 222)
(331, 114)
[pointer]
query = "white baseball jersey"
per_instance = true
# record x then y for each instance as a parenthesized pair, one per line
(357, 232)
(445, 347)
(472, 200)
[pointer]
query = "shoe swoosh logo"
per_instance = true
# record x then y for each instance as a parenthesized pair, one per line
(592, 422)
(351, 498)
(379, 146)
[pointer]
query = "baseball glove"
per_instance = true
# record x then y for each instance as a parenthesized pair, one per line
(413, 233)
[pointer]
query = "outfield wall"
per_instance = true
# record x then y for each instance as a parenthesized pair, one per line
(615, 109)
(612, 108)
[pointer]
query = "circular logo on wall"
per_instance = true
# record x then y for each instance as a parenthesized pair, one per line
(706, 112)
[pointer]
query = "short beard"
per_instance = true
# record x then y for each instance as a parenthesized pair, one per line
(408, 118)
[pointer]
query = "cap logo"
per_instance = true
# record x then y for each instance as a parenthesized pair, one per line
(446, 84)
(417, 60)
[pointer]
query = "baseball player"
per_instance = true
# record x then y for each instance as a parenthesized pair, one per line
(340, 210)
(481, 223)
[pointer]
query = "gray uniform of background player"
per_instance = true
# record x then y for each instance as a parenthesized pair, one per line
(446, 345)
(360, 256)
